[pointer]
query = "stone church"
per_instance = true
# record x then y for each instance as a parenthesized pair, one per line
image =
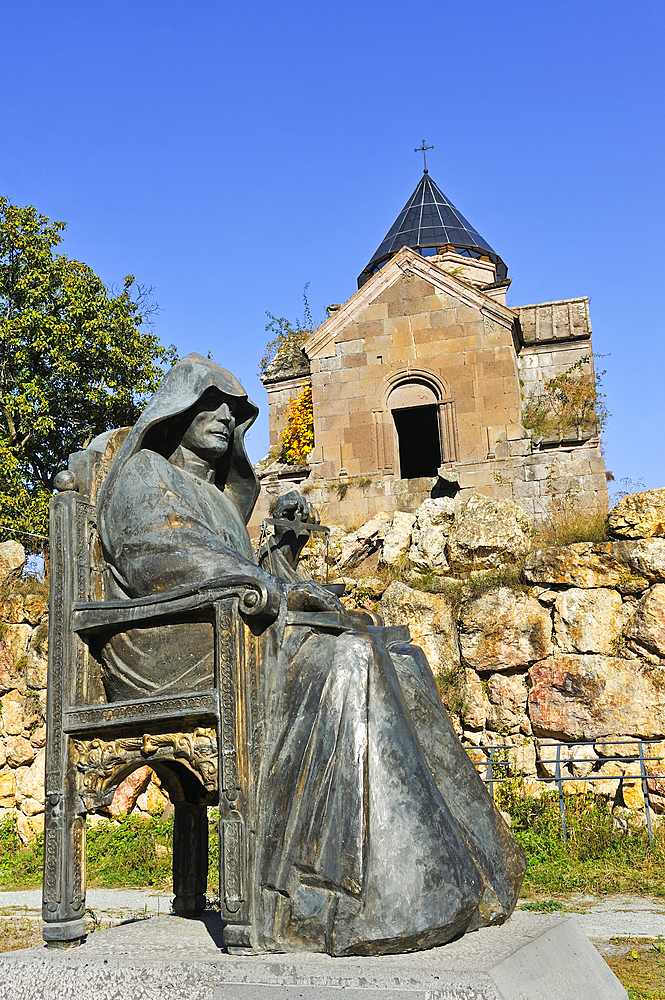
(420, 379)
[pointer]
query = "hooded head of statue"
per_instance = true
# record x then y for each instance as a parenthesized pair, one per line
(169, 415)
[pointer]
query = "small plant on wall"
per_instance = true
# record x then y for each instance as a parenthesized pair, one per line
(286, 336)
(298, 438)
(570, 399)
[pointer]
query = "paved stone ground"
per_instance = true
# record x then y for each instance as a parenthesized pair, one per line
(109, 906)
(600, 917)
(532, 957)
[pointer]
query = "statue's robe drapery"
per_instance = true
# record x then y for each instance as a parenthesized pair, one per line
(378, 833)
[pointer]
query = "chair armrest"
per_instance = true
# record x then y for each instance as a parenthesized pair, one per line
(254, 598)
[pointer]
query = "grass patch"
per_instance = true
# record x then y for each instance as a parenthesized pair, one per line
(28, 585)
(568, 523)
(541, 905)
(131, 852)
(596, 859)
(451, 685)
(17, 930)
(640, 966)
(475, 585)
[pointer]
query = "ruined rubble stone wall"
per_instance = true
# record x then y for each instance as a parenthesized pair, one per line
(531, 480)
(578, 656)
(23, 665)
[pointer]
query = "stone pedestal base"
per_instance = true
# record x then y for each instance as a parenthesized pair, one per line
(532, 957)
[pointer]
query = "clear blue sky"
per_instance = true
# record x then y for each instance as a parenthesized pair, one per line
(228, 153)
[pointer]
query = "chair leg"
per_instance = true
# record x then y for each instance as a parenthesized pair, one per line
(190, 858)
(63, 899)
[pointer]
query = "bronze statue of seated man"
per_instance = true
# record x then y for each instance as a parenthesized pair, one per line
(375, 833)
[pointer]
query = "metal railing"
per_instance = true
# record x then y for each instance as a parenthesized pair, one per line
(494, 766)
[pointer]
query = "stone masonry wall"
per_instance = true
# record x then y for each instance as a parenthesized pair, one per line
(536, 480)
(575, 651)
(23, 665)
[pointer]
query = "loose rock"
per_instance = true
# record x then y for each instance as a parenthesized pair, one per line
(640, 515)
(358, 545)
(431, 528)
(397, 538)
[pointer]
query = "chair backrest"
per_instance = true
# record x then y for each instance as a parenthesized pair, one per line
(91, 467)
(77, 564)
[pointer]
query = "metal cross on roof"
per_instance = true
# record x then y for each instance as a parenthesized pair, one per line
(422, 149)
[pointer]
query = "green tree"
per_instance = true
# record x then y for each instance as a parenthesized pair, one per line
(74, 360)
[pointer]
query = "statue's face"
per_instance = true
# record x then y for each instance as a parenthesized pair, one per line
(211, 428)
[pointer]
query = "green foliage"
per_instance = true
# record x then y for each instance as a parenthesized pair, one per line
(542, 905)
(474, 585)
(570, 399)
(20, 867)
(74, 360)
(285, 334)
(595, 859)
(131, 851)
(127, 852)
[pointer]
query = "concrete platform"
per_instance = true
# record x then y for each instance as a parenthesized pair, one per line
(532, 957)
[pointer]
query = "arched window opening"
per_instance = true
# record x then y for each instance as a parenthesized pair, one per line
(415, 411)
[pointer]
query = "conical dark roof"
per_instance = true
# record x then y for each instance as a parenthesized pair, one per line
(429, 220)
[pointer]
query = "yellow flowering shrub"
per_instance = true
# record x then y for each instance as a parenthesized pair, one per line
(298, 438)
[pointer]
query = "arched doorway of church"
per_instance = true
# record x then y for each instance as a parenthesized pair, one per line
(414, 406)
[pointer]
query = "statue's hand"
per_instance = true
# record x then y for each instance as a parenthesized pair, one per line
(293, 504)
(311, 596)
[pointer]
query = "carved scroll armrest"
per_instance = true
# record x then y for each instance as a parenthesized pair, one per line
(254, 598)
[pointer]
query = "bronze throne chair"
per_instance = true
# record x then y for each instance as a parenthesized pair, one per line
(203, 745)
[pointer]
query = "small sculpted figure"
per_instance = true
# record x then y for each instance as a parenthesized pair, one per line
(376, 834)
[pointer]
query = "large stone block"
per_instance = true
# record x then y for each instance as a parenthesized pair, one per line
(598, 564)
(533, 956)
(29, 827)
(474, 711)
(12, 561)
(431, 528)
(37, 663)
(7, 789)
(431, 621)
(585, 696)
(488, 533)
(12, 716)
(646, 630)
(502, 630)
(507, 695)
(30, 780)
(588, 621)
(640, 515)
(19, 751)
(13, 646)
